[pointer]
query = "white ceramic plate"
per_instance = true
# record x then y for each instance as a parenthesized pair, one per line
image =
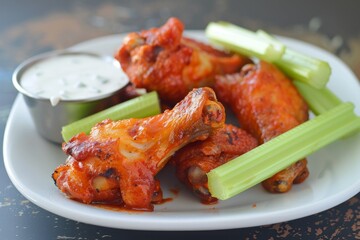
(30, 160)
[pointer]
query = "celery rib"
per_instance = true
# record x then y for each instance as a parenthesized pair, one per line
(271, 157)
(319, 100)
(244, 41)
(264, 46)
(310, 70)
(140, 107)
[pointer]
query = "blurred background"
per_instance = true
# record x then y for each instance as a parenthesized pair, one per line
(29, 27)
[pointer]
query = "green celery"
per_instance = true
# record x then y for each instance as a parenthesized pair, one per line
(314, 72)
(276, 43)
(269, 158)
(244, 41)
(140, 107)
(319, 100)
(264, 46)
(310, 70)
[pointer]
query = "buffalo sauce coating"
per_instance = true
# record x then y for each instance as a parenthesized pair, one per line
(161, 59)
(267, 104)
(196, 159)
(123, 157)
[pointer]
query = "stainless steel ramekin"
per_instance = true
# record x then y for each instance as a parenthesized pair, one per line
(50, 119)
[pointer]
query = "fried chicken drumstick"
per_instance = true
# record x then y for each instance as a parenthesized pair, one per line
(266, 104)
(118, 160)
(196, 159)
(161, 59)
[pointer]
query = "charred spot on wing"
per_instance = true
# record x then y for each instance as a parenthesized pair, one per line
(109, 173)
(229, 137)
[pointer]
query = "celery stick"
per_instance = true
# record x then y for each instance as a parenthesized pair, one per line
(314, 72)
(319, 100)
(262, 45)
(143, 106)
(271, 157)
(244, 41)
(276, 43)
(310, 70)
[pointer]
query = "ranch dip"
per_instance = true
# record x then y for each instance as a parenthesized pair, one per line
(73, 77)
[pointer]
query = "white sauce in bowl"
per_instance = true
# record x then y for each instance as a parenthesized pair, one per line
(73, 77)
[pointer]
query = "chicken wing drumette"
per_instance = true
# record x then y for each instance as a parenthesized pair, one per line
(266, 104)
(161, 59)
(198, 158)
(117, 162)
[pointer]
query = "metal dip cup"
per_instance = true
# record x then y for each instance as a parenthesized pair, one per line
(50, 119)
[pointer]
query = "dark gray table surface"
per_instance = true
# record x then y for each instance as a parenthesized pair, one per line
(31, 27)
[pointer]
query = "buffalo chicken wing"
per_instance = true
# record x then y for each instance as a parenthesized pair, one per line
(161, 59)
(196, 159)
(118, 160)
(266, 104)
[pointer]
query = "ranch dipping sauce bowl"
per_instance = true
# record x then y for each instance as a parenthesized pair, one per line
(61, 87)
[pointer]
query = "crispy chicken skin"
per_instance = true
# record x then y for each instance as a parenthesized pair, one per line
(118, 160)
(266, 104)
(161, 59)
(196, 159)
